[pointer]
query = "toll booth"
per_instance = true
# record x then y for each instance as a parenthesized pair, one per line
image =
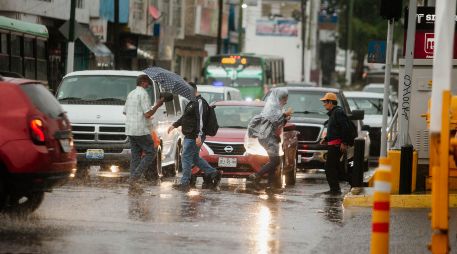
(421, 90)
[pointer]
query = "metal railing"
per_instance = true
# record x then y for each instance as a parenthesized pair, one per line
(393, 131)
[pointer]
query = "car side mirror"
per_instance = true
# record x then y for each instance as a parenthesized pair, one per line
(365, 127)
(289, 127)
(357, 115)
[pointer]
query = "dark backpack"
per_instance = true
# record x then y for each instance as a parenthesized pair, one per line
(211, 126)
(353, 133)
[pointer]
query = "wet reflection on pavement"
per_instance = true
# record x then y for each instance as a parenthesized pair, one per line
(103, 215)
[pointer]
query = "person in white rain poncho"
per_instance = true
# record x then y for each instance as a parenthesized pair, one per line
(266, 128)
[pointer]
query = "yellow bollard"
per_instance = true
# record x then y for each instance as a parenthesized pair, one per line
(381, 208)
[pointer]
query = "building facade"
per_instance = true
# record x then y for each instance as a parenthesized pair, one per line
(174, 34)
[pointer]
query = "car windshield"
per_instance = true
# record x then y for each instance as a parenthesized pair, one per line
(235, 116)
(212, 96)
(306, 102)
(97, 89)
(371, 106)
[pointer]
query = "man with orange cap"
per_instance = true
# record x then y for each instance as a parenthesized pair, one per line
(337, 139)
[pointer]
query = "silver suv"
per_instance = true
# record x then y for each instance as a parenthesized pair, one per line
(94, 102)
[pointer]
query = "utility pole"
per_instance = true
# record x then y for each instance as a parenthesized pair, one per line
(385, 105)
(349, 43)
(116, 35)
(303, 38)
(71, 38)
(219, 27)
(240, 27)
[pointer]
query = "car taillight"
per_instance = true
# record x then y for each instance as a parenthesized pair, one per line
(37, 131)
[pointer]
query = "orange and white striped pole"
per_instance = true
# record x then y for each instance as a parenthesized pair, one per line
(381, 208)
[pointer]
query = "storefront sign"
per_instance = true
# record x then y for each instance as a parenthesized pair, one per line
(99, 28)
(277, 27)
(206, 22)
(425, 35)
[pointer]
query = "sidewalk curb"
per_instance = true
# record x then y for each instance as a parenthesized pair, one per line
(365, 199)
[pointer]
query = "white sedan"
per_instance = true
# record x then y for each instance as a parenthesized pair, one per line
(372, 104)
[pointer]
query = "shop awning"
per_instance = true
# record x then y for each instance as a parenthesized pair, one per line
(84, 34)
(92, 43)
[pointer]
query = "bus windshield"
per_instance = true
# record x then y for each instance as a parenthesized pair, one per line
(236, 77)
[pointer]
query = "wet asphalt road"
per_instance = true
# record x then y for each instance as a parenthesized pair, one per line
(102, 217)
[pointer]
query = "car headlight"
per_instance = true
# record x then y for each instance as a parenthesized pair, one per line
(324, 133)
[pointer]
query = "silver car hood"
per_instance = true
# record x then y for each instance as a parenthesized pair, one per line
(95, 114)
(374, 121)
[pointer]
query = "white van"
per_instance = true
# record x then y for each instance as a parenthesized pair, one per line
(219, 93)
(94, 102)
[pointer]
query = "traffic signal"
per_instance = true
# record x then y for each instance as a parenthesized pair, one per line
(391, 9)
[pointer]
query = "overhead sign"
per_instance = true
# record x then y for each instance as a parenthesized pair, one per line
(376, 51)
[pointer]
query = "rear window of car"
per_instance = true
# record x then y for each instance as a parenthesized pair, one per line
(212, 97)
(43, 99)
(306, 102)
(235, 116)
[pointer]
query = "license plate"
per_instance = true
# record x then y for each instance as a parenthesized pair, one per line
(65, 145)
(95, 154)
(227, 162)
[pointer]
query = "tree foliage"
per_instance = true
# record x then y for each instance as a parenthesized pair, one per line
(367, 24)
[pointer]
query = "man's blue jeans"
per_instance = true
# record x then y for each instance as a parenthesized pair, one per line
(190, 157)
(139, 144)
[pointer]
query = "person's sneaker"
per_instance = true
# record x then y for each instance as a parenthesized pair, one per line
(253, 177)
(273, 190)
(207, 182)
(155, 182)
(181, 187)
(216, 179)
(135, 188)
(332, 192)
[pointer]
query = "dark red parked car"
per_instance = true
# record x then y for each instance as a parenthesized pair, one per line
(227, 151)
(36, 144)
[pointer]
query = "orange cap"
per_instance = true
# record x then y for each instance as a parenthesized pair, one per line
(329, 97)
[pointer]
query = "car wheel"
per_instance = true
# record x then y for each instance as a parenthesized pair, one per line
(291, 176)
(23, 203)
(178, 157)
(279, 174)
(172, 171)
(155, 170)
(2, 193)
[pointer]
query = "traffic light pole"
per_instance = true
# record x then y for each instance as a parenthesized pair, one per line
(406, 86)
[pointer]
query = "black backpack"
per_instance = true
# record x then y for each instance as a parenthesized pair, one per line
(211, 126)
(353, 133)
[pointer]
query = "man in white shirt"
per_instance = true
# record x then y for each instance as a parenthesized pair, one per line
(138, 125)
